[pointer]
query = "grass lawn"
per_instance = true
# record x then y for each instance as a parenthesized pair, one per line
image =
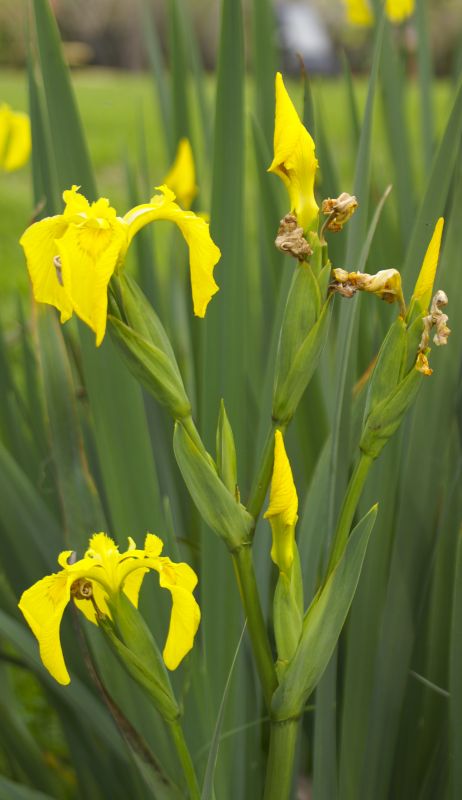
(115, 105)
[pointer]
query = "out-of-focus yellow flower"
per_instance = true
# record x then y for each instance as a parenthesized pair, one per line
(399, 10)
(359, 12)
(181, 178)
(98, 577)
(72, 256)
(15, 139)
(294, 159)
(283, 507)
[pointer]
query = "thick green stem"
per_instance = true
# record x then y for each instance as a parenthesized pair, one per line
(349, 506)
(263, 477)
(185, 759)
(280, 767)
(245, 575)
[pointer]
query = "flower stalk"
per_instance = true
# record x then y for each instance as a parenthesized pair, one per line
(280, 767)
(245, 575)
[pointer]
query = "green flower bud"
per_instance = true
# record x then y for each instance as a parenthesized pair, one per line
(226, 451)
(216, 504)
(145, 347)
(303, 335)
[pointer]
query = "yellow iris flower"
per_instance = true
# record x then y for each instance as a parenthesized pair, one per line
(72, 256)
(101, 574)
(283, 507)
(294, 159)
(359, 12)
(15, 139)
(181, 177)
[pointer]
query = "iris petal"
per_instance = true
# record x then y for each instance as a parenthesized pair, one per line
(39, 244)
(203, 252)
(43, 607)
(88, 257)
(185, 617)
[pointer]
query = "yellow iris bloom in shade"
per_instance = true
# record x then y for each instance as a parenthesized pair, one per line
(181, 178)
(15, 138)
(72, 256)
(101, 574)
(283, 507)
(294, 159)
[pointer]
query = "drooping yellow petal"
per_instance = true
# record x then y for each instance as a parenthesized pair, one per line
(359, 13)
(15, 139)
(43, 607)
(181, 178)
(180, 579)
(203, 252)
(399, 10)
(39, 244)
(294, 159)
(424, 286)
(283, 494)
(89, 255)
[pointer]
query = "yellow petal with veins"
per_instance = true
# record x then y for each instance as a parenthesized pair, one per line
(89, 256)
(203, 252)
(294, 159)
(39, 244)
(43, 607)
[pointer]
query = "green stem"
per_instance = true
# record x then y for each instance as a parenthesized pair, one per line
(349, 506)
(185, 759)
(263, 477)
(280, 767)
(247, 583)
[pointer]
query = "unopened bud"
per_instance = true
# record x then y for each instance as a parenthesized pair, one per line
(338, 210)
(290, 239)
